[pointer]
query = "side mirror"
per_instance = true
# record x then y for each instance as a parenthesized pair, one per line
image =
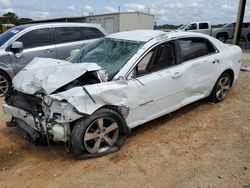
(16, 47)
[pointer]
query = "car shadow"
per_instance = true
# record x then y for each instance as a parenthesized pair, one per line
(57, 151)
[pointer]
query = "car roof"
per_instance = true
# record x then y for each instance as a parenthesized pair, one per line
(147, 35)
(137, 35)
(58, 24)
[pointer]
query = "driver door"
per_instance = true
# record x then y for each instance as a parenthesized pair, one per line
(160, 84)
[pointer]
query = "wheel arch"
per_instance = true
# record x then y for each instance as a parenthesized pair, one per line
(223, 34)
(5, 72)
(121, 110)
(231, 73)
(7, 69)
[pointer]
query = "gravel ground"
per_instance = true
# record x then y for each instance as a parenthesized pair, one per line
(200, 145)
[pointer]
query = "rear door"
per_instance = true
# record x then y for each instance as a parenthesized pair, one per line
(201, 61)
(36, 43)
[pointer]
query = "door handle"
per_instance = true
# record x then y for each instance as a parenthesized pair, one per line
(216, 61)
(177, 75)
(49, 50)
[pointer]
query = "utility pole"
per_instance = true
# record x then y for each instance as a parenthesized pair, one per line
(239, 22)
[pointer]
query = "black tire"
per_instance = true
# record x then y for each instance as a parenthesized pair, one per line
(220, 90)
(222, 37)
(81, 146)
(5, 84)
(248, 37)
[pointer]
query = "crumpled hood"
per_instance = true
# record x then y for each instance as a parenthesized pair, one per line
(47, 75)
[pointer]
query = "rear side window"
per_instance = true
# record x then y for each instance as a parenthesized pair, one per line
(195, 47)
(90, 33)
(203, 25)
(67, 34)
(36, 38)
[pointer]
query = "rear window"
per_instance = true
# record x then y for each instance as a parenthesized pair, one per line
(195, 47)
(90, 33)
(36, 38)
(67, 34)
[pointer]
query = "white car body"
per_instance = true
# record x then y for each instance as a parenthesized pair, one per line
(139, 99)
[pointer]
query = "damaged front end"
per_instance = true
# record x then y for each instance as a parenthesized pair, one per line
(41, 120)
(39, 117)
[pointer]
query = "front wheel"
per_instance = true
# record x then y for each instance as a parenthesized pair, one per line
(99, 134)
(5, 83)
(221, 88)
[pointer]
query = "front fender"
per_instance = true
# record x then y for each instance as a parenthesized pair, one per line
(7, 68)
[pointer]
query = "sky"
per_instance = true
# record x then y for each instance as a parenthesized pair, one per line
(165, 11)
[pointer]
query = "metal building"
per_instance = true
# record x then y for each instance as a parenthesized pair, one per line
(113, 22)
(123, 21)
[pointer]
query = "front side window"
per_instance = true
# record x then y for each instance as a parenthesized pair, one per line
(109, 53)
(157, 59)
(67, 34)
(36, 38)
(195, 47)
(143, 66)
(192, 27)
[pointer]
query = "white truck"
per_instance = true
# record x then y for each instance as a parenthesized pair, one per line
(223, 34)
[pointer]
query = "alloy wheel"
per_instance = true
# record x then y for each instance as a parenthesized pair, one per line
(101, 135)
(4, 85)
(223, 87)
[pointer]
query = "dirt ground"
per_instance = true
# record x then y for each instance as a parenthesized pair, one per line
(201, 145)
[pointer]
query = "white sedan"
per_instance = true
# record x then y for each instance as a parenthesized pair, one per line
(93, 100)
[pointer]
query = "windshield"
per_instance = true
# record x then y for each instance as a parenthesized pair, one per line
(109, 53)
(182, 27)
(4, 37)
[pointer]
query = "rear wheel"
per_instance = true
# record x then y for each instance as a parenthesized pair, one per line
(99, 134)
(5, 83)
(221, 88)
(221, 37)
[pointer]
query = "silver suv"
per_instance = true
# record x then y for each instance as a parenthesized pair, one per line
(19, 45)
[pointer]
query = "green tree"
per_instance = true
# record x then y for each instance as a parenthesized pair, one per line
(13, 18)
(25, 20)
